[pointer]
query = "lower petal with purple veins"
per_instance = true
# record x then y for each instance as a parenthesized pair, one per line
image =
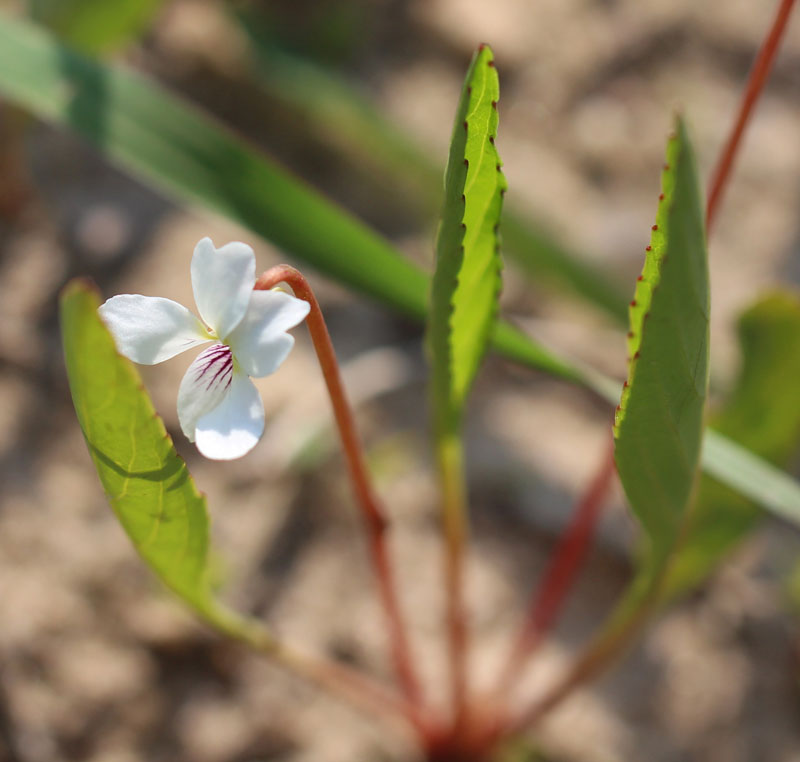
(234, 427)
(204, 386)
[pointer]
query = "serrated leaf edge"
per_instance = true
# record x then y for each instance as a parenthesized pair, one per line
(489, 145)
(650, 277)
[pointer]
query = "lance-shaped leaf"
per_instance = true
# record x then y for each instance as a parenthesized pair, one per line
(145, 480)
(659, 423)
(763, 414)
(466, 283)
(147, 483)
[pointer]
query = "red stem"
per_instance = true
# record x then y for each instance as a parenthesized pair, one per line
(755, 84)
(590, 663)
(548, 598)
(375, 520)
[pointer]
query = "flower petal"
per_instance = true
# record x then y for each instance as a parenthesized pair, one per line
(234, 427)
(260, 342)
(223, 280)
(149, 329)
(204, 386)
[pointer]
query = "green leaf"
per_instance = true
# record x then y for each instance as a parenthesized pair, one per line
(466, 283)
(340, 116)
(763, 411)
(762, 414)
(659, 423)
(176, 148)
(147, 483)
(95, 26)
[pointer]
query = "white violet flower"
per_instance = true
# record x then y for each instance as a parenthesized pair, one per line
(219, 408)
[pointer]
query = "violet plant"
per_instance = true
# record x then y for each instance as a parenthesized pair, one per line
(659, 444)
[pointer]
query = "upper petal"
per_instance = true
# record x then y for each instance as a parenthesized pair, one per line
(234, 426)
(260, 341)
(223, 280)
(204, 386)
(149, 329)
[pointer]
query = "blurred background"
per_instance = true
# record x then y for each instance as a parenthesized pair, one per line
(98, 663)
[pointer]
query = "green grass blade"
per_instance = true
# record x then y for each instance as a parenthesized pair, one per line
(341, 116)
(95, 26)
(147, 483)
(659, 423)
(466, 283)
(170, 144)
(762, 414)
(752, 476)
(176, 148)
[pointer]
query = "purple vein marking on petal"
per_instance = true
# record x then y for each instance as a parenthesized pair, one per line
(226, 368)
(209, 356)
(217, 349)
(217, 361)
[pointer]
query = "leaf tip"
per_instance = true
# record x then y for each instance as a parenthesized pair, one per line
(485, 51)
(78, 285)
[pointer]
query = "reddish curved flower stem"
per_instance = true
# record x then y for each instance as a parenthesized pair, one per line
(755, 85)
(374, 518)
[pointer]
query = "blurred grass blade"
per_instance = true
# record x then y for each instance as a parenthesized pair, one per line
(171, 145)
(659, 423)
(724, 459)
(146, 482)
(466, 283)
(339, 115)
(95, 26)
(763, 414)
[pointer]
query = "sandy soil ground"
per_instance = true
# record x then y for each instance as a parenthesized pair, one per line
(98, 664)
